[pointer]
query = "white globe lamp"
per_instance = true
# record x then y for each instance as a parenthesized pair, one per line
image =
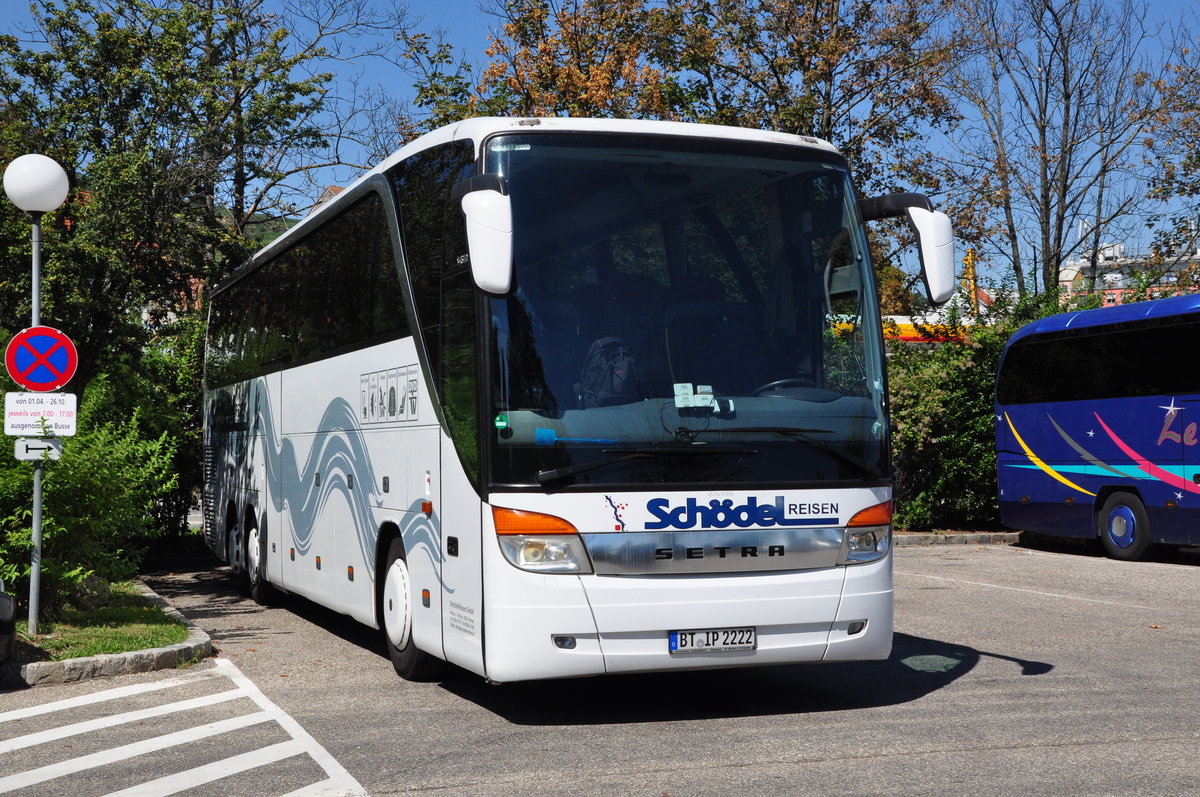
(35, 183)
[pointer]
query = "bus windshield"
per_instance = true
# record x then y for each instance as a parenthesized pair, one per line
(683, 311)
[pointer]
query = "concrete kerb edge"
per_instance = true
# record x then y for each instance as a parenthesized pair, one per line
(198, 645)
(956, 538)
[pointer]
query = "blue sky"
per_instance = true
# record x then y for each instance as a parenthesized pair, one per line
(462, 21)
(460, 17)
(467, 27)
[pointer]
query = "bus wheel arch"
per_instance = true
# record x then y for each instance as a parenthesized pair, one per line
(396, 607)
(1123, 525)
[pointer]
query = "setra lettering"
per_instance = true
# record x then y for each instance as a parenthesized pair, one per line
(720, 551)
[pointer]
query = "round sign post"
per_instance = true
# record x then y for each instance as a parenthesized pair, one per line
(37, 184)
(41, 359)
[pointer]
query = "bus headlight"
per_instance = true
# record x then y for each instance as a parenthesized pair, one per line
(546, 554)
(540, 543)
(868, 536)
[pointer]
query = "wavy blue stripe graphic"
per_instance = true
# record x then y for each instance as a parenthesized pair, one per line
(338, 453)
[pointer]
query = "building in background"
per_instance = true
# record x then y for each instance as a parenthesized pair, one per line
(1124, 276)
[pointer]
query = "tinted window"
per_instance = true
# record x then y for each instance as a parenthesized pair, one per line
(435, 251)
(337, 288)
(1122, 360)
(423, 184)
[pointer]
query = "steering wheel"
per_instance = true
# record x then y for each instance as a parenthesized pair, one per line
(796, 381)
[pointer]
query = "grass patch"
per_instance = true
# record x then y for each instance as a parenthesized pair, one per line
(127, 621)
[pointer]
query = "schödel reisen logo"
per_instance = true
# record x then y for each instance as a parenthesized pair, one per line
(721, 514)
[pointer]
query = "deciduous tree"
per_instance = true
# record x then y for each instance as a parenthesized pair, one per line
(1058, 96)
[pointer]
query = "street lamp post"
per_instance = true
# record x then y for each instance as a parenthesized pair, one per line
(36, 184)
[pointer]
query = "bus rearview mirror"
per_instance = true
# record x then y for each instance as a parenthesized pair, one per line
(489, 236)
(935, 244)
(935, 237)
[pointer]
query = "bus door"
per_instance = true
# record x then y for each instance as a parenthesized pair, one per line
(461, 514)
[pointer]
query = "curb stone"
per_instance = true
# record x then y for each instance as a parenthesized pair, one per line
(197, 646)
(956, 538)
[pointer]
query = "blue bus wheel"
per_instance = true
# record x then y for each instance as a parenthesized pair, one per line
(1124, 527)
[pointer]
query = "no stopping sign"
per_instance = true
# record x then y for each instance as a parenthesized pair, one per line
(41, 359)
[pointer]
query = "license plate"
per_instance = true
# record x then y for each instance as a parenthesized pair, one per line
(712, 640)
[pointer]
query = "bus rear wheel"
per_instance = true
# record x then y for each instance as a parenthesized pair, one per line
(236, 554)
(260, 589)
(1124, 527)
(410, 662)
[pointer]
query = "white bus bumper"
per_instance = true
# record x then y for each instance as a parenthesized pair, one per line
(542, 626)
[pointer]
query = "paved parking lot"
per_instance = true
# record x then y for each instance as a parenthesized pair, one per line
(1016, 671)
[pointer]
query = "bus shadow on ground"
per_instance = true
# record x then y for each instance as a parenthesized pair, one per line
(1163, 554)
(237, 618)
(916, 668)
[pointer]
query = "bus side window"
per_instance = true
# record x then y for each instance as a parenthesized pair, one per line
(434, 242)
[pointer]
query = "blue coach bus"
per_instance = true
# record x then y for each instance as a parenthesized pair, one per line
(1097, 419)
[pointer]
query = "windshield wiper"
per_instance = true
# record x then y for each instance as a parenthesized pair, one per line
(806, 435)
(626, 454)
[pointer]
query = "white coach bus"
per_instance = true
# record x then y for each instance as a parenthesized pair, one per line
(562, 397)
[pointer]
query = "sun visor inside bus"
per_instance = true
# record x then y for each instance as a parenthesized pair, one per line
(488, 211)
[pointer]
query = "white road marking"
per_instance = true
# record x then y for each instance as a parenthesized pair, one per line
(328, 788)
(110, 694)
(1026, 591)
(117, 719)
(182, 781)
(337, 782)
(339, 777)
(74, 765)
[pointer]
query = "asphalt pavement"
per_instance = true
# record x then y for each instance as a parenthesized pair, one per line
(1017, 669)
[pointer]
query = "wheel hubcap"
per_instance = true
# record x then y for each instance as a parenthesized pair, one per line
(252, 554)
(397, 618)
(1122, 526)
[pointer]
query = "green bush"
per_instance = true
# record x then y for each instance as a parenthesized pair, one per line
(162, 382)
(98, 503)
(943, 432)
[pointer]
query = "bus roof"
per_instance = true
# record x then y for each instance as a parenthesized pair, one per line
(1116, 314)
(479, 128)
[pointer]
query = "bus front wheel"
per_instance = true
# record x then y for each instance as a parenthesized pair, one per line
(1124, 527)
(411, 663)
